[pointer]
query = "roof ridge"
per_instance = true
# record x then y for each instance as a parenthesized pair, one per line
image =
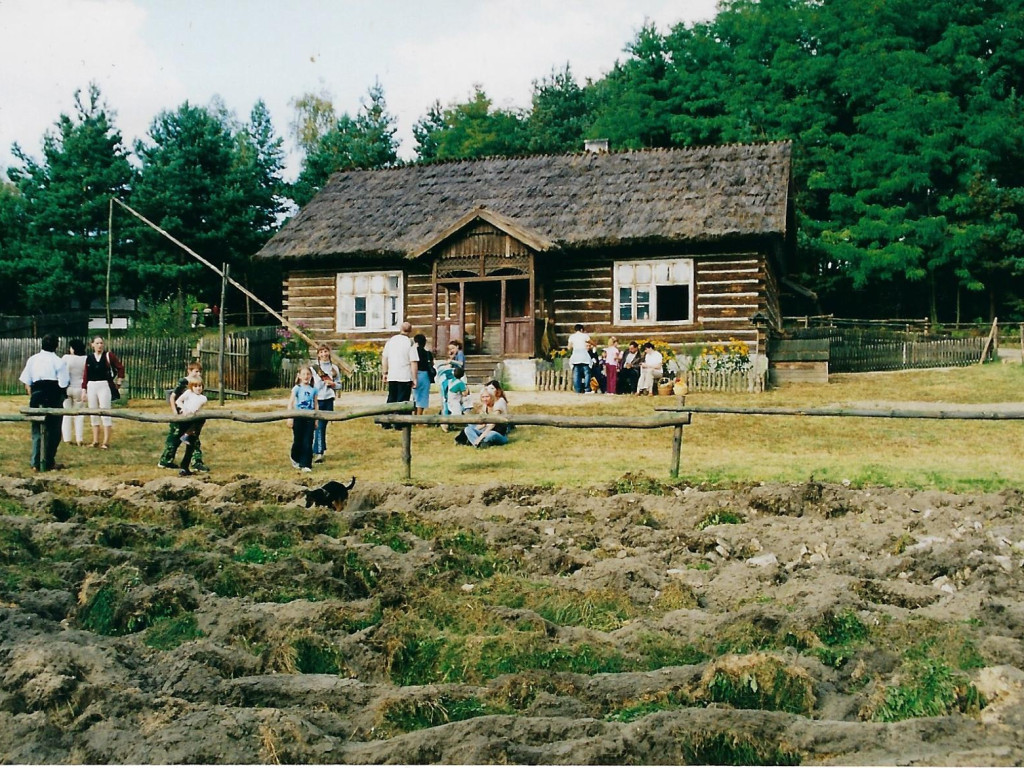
(580, 153)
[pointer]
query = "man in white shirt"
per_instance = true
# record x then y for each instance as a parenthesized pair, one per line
(651, 369)
(579, 358)
(46, 381)
(399, 363)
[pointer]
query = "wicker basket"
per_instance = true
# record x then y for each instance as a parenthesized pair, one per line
(665, 389)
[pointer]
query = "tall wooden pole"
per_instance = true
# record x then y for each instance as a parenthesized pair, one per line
(223, 331)
(110, 257)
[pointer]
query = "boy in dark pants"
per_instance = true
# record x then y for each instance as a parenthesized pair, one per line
(174, 431)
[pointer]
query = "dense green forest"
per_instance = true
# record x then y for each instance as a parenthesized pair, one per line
(906, 120)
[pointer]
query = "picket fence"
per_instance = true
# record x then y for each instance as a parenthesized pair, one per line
(152, 366)
(696, 381)
(860, 354)
(368, 380)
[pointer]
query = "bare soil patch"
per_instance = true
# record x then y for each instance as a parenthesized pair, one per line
(180, 621)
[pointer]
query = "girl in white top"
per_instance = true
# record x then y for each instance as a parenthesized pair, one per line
(189, 402)
(74, 426)
(328, 378)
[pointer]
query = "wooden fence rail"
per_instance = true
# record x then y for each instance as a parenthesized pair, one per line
(398, 415)
(972, 414)
(390, 413)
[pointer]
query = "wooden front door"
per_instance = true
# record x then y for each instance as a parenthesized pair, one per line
(484, 293)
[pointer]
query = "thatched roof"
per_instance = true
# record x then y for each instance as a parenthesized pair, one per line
(568, 201)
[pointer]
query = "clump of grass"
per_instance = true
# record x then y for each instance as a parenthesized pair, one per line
(316, 656)
(404, 715)
(840, 628)
(841, 633)
(746, 637)
(674, 596)
(519, 690)
(603, 610)
(392, 529)
(647, 704)
(732, 749)
(16, 545)
(719, 517)
(466, 553)
(231, 580)
(757, 681)
(117, 603)
(662, 649)
(254, 553)
(926, 688)
(638, 482)
(167, 634)
(475, 647)
(952, 643)
(359, 576)
(900, 544)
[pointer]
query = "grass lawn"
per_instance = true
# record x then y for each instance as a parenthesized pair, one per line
(950, 455)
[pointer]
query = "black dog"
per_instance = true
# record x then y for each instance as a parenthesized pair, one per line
(330, 494)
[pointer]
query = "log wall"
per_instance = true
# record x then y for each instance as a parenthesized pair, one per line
(728, 290)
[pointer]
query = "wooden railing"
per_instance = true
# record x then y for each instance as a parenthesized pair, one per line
(394, 414)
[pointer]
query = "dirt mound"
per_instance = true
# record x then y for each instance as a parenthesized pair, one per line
(182, 621)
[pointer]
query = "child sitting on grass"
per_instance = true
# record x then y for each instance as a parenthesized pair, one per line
(188, 404)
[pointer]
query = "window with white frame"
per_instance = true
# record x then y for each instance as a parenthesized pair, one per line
(369, 301)
(653, 291)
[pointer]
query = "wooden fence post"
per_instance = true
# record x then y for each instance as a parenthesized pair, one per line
(677, 450)
(407, 450)
(677, 444)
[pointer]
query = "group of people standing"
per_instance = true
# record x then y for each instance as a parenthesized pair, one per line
(613, 371)
(68, 382)
(409, 368)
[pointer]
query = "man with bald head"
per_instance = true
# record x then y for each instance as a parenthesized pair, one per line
(399, 363)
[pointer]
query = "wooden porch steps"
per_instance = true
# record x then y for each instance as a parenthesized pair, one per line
(480, 368)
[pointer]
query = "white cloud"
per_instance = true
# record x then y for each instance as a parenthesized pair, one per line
(52, 48)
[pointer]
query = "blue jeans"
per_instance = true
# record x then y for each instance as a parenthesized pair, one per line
(580, 377)
(320, 430)
(491, 438)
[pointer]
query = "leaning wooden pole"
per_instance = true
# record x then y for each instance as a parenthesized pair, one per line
(342, 364)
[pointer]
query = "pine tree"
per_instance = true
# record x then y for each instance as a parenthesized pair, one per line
(57, 247)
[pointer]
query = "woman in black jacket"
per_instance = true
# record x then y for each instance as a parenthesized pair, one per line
(104, 373)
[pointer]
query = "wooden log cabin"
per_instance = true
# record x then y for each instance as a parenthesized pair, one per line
(508, 254)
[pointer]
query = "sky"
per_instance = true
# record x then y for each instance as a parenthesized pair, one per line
(148, 56)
